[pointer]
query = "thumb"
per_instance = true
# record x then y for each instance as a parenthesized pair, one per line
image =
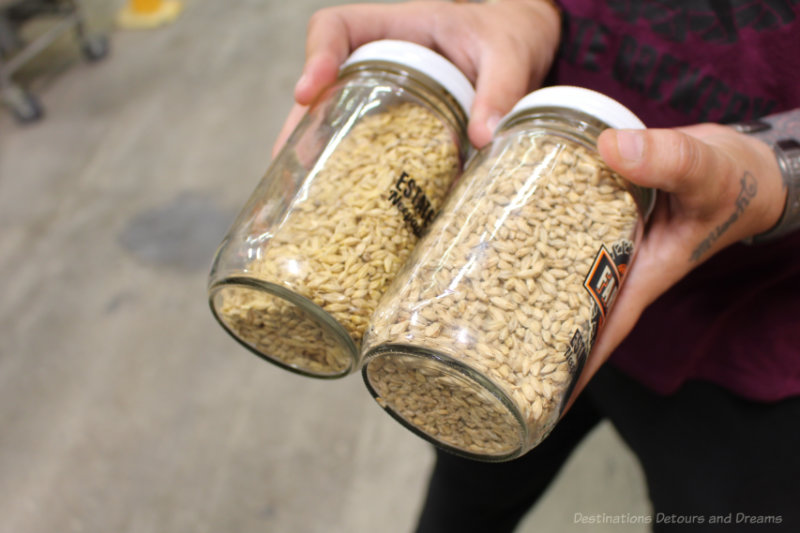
(671, 160)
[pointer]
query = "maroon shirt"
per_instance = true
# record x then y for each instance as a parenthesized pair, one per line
(735, 320)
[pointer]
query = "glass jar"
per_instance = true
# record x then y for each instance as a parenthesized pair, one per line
(478, 342)
(340, 208)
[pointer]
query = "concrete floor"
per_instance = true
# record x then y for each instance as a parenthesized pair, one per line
(123, 406)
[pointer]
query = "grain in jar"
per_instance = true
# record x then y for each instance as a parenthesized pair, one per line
(479, 341)
(341, 207)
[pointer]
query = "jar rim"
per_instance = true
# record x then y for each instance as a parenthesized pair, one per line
(315, 313)
(421, 59)
(468, 376)
(592, 103)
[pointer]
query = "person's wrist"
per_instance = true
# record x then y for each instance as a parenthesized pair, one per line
(787, 156)
(787, 152)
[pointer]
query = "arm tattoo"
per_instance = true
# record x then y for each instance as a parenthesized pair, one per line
(748, 191)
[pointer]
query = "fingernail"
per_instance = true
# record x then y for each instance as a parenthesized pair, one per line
(630, 144)
(301, 82)
(492, 122)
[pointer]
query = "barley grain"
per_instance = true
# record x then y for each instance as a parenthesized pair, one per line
(345, 231)
(527, 268)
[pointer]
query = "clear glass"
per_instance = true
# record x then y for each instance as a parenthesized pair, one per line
(478, 342)
(335, 217)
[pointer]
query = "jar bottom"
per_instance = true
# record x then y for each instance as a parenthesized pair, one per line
(283, 327)
(445, 402)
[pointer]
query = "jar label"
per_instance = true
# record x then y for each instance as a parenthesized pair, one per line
(576, 355)
(412, 202)
(603, 282)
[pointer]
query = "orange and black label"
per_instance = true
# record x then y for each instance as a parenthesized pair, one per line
(603, 281)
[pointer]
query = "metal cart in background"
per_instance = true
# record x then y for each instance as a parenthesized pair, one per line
(15, 52)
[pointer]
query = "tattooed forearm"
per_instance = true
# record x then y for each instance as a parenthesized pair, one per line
(748, 191)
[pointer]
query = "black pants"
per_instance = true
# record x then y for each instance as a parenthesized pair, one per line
(704, 452)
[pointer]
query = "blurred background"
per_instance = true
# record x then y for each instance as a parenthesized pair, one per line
(124, 407)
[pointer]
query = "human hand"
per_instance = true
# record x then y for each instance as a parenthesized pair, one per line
(505, 48)
(715, 187)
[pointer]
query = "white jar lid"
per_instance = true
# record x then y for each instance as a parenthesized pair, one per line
(421, 59)
(587, 101)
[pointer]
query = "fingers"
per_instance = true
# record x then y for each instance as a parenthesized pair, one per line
(509, 64)
(333, 33)
(498, 88)
(327, 46)
(504, 48)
